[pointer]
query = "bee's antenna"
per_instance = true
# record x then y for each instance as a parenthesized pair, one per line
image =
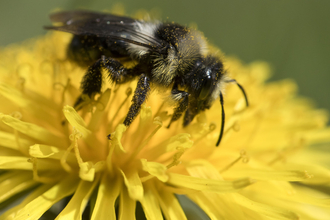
(242, 89)
(222, 119)
(223, 110)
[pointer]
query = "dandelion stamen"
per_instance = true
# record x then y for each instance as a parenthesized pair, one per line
(97, 105)
(47, 67)
(36, 176)
(144, 143)
(74, 138)
(176, 157)
(114, 96)
(285, 152)
(308, 175)
(255, 129)
(210, 129)
(20, 147)
(160, 108)
(109, 163)
(280, 157)
(65, 87)
(23, 69)
(25, 151)
(233, 126)
(18, 115)
(20, 84)
(63, 159)
(128, 94)
(242, 157)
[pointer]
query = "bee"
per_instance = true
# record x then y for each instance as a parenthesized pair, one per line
(167, 55)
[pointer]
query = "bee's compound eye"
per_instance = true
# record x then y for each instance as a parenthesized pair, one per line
(206, 88)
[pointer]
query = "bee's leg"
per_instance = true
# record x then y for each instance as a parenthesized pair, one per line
(188, 117)
(182, 103)
(140, 95)
(117, 73)
(92, 81)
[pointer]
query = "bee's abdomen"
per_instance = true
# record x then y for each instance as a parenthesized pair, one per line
(85, 50)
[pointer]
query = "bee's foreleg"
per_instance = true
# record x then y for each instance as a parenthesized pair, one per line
(188, 117)
(140, 95)
(182, 98)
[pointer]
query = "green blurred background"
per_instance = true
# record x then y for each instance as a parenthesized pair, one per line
(292, 35)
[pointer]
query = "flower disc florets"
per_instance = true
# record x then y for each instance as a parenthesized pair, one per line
(54, 151)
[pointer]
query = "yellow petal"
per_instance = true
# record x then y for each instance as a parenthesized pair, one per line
(33, 131)
(46, 151)
(9, 140)
(20, 163)
(4, 152)
(40, 108)
(203, 169)
(297, 194)
(43, 151)
(317, 174)
(170, 206)
(108, 192)
(133, 184)
(12, 213)
(310, 196)
(212, 209)
(87, 171)
(22, 100)
(281, 175)
(79, 125)
(14, 182)
(126, 206)
(178, 141)
(156, 169)
(269, 211)
(77, 204)
(97, 116)
(42, 203)
(150, 205)
(75, 120)
(116, 139)
(14, 95)
(145, 120)
(207, 184)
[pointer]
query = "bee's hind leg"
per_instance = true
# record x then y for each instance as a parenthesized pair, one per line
(140, 95)
(91, 83)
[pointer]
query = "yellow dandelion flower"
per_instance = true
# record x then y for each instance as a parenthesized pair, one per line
(271, 163)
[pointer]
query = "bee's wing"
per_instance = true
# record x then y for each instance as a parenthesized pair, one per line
(103, 25)
(79, 15)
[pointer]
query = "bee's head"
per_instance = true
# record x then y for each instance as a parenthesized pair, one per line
(207, 79)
